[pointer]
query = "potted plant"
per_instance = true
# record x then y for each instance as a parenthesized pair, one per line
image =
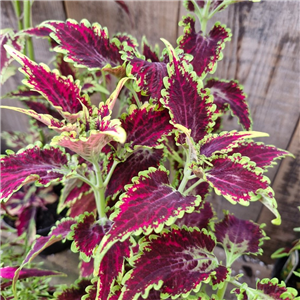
(135, 184)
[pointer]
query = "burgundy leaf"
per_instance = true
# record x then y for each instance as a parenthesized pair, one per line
(73, 190)
(39, 31)
(31, 165)
(266, 289)
(189, 105)
(148, 204)
(206, 51)
(8, 273)
(229, 94)
(111, 266)
(87, 234)
(149, 75)
(86, 268)
(24, 220)
(86, 203)
(148, 52)
(177, 261)
(126, 40)
(263, 155)
(58, 233)
(189, 5)
(62, 92)
(236, 179)
(124, 6)
(239, 237)
(224, 142)
(64, 67)
(199, 218)
(146, 126)
(74, 292)
(23, 93)
(84, 44)
(140, 160)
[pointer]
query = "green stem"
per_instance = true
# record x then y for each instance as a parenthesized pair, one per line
(108, 177)
(27, 24)
(193, 186)
(221, 292)
(17, 8)
(219, 8)
(99, 191)
(104, 84)
(197, 10)
(205, 17)
(186, 173)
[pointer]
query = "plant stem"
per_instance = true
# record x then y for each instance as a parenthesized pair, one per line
(205, 17)
(17, 8)
(103, 96)
(221, 292)
(186, 173)
(197, 10)
(193, 186)
(27, 24)
(108, 177)
(99, 191)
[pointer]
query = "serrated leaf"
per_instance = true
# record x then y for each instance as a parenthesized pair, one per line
(146, 126)
(224, 142)
(40, 165)
(61, 92)
(199, 218)
(84, 44)
(148, 204)
(206, 50)
(149, 75)
(189, 5)
(86, 203)
(176, 262)
(140, 160)
(87, 234)
(148, 52)
(266, 289)
(190, 106)
(75, 291)
(86, 268)
(111, 266)
(230, 95)
(58, 233)
(239, 237)
(263, 155)
(236, 180)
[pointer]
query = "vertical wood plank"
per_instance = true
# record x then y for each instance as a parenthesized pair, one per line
(287, 193)
(41, 11)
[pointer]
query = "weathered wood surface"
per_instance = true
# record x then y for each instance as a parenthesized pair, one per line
(41, 11)
(287, 189)
(263, 56)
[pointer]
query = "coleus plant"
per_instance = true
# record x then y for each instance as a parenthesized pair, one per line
(137, 168)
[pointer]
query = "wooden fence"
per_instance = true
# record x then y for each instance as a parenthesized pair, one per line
(263, 56)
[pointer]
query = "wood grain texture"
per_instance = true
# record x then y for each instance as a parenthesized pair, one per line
(41, 11)
(154, 19)
(287, 191)
(263, 56)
